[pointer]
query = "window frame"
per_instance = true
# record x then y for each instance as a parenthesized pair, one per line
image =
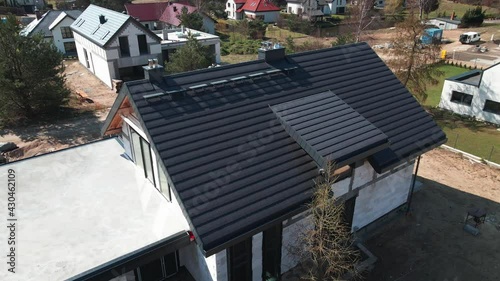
(124, 50)
(66, 32)
(141, 50)
(72, 50)
(462, 100)
(495, 103)
(160, 173)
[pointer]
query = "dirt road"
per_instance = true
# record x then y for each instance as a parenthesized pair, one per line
(430, 243)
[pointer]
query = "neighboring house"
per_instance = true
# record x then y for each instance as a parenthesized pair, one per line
(252, 9)
(444, 23)
(30, 6)
(54, 26)
(113, 45)
(232, 6)
(306, 8)
(474, 93)
(148, 14)
(62, 35)
(335, 7)
(170, 19)
(239, 146)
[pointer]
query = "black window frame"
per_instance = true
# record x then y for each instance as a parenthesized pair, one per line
(275, 234)
(489, 103)
(143, 159)
(72, 50)
(143, 44)
(247, 243)
(124, 46)
(162, 188)
(66, 32)
(461, 98)
(138, 274)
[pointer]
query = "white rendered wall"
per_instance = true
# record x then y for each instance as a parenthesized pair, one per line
(231, 10)
(268, 16)
(57, 35)
(383, 196)
(293, 8)
(462, 109)
(489, 89)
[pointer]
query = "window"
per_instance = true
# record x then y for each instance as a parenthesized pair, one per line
(229, 5)
(492, 106)
(69, 47)
(271, 253)
(158, 269)
(142, 155)
(66, 32)
(87, 61)
(462, 98)
(124, 47)
(143, 44)
(240, 261)
(164, 187)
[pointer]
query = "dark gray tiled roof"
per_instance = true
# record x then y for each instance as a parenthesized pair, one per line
(233, 166)
(41, 25)
(329, 129)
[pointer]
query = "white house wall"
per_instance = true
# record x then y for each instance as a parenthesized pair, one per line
(231, 8)
(378, 199)
(57, 35)
(462, 109)
(489, 89)
(268, 16)
(293, 8)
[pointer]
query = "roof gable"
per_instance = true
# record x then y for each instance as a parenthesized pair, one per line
(232, 164)
(259, 6)
(89, 25)
(42, 25)
(74, 14)
(146, 11)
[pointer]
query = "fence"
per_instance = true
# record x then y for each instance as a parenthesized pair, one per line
(490, 152)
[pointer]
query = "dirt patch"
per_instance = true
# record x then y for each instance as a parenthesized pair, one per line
(81, 122)
(430, 244)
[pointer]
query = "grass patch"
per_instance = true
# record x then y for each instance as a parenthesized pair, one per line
(469, 135)
(434, 91)
(274, 32)
(460, 9)
(231, 58)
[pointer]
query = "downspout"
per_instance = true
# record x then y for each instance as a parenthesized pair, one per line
(414, 179)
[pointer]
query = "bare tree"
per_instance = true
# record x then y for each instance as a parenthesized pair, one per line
(413, 61)
(326, 245)
(360, 17)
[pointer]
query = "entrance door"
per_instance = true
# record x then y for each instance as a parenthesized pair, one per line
(240, 261)
(271, 253)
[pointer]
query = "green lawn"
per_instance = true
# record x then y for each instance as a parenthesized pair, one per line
(280, 34)
(434, 91)
(471, 136)
(460, 9)
(463, 133)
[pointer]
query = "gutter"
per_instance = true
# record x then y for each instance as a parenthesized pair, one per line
(132, 260)
(412, 188)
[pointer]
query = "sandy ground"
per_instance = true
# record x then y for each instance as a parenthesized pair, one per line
(430, 244)
(83, 127)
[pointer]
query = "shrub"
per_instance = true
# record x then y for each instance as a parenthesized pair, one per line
(473, 17)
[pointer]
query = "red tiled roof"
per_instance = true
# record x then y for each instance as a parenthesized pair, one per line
(240, 1)
(146, 11)
(170, 13)
(258, 6)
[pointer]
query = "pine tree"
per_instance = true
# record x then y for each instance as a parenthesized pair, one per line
(31, 74)
(189, 57)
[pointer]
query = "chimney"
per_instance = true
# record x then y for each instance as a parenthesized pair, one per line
(153, 71)
(270, 52)
(38, 14)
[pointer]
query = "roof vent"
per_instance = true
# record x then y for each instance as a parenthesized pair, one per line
(102, 19)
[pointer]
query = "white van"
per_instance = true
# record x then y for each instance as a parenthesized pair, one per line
(469, 37)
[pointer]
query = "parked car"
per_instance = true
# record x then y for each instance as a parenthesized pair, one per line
(469, 37)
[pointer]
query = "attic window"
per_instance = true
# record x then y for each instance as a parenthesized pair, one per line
(175, 9)
(102, 19)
